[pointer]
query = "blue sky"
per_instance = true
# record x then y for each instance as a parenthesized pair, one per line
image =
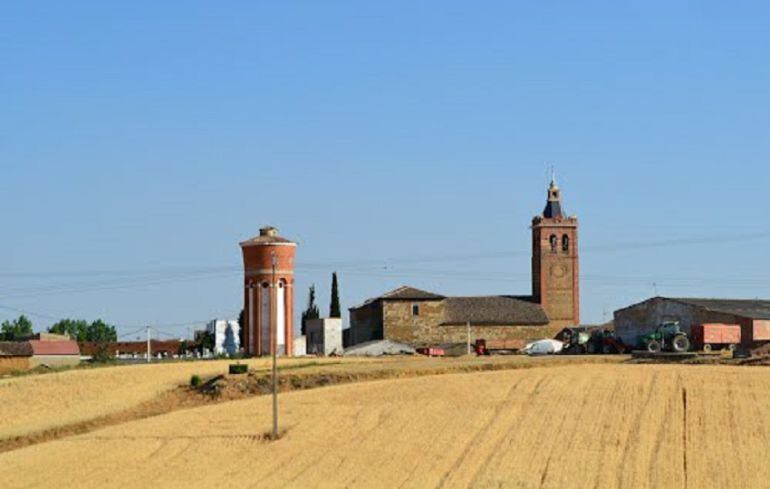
(398, 142)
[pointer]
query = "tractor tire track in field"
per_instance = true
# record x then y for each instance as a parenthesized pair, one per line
(636, 425)
(684, 435)
(482, 433)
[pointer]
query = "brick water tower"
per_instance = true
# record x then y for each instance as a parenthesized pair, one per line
(268, 261)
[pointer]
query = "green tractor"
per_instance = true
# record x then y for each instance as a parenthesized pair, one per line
(667, 337)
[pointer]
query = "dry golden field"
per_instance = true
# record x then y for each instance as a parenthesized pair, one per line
(576, 426)
(36, 402)
(41, 402)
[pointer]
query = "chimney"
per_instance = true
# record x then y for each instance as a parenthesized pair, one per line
(268, 231)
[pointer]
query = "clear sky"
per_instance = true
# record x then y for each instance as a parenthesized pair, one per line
(398, 142)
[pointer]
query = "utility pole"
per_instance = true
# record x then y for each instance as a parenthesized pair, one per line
(148, 344)
(274, 346)
(468, 325)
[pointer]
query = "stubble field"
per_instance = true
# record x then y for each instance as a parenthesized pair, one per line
(581, 426)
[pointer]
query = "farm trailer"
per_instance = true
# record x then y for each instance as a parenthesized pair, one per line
(715, 335)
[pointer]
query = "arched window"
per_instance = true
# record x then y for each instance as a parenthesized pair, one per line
(554, 243)
(565, 243)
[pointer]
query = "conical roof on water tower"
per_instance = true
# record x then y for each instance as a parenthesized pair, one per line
(268, 300)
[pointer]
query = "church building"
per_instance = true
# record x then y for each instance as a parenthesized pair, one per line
(421, 318)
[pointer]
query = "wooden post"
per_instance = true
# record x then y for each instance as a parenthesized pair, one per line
(274, 348)
(468, 325)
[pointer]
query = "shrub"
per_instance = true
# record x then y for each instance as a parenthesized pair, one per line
(238, 368)
(195, 380)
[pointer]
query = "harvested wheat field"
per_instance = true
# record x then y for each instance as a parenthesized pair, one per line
(559, 427)
(34, 404)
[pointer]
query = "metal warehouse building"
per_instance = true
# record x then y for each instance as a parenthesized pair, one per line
(639, 319)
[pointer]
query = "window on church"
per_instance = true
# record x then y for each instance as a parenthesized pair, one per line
(554, 243)
(565, 243)
(415, 309)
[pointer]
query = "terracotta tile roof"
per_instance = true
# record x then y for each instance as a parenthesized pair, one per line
(267, 235)
(55, 347)
(493, 310)
(410, 293)
(15, 349)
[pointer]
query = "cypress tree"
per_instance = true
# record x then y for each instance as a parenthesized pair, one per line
(334, 307)
(311, 312)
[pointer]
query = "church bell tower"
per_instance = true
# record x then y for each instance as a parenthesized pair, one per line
(555, 271)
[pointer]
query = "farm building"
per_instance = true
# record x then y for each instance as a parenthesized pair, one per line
(226, 339)
(47, 350)
(324, 336)
(421, 318)
(753, 316)
(133, 349)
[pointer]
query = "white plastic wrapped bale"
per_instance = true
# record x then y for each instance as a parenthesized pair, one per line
(543, 347)
(379, 347)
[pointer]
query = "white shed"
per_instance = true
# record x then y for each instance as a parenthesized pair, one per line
(324, 336)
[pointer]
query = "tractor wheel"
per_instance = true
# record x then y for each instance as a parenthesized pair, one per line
(680, 343)
(653, 346)
(707, 348)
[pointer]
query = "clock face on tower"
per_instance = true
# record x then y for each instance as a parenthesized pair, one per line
(558, 271)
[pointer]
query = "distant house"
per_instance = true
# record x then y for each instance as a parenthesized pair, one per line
(45, 350)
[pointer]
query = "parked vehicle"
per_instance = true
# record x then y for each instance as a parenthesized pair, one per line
(577, 341)
(609, 343)
(666, 337)
(581, 340)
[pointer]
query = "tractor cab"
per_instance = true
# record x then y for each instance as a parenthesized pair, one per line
(668, 336)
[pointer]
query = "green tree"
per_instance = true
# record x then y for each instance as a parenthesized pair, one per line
(241, 328)
(16, 330)
(80, 330)
(311, 312)
(205, 341)
(334, 306)
(75, 328)
(101, 332)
